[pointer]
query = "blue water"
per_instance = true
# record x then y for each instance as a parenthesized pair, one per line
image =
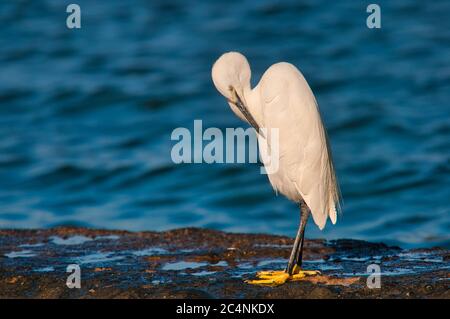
(86, 115)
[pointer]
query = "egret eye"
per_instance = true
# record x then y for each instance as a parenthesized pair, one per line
(231, 88)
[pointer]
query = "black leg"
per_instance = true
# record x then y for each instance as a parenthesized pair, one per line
(297, 250)
(303, 221)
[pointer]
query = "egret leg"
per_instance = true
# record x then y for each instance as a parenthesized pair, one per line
(293, 271)
(297, 249)
(296, 272)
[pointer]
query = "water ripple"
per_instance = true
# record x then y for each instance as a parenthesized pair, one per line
(86, 116)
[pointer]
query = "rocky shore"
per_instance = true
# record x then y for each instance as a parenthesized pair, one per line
(203, 263)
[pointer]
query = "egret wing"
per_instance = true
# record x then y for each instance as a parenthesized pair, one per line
(304, 153)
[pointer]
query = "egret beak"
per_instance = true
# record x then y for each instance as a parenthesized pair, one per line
(241, 106)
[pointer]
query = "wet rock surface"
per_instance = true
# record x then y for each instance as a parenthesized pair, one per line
(202, 263)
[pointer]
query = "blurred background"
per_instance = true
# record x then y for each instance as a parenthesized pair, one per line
(86, 114)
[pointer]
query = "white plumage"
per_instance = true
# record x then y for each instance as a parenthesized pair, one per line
(283, 99)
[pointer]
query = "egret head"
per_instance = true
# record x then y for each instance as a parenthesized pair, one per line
(231, 76)
(231, 71)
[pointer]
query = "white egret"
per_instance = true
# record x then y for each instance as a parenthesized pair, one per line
(283, 100)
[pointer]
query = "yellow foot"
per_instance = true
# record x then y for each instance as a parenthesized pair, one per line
(279, 277)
